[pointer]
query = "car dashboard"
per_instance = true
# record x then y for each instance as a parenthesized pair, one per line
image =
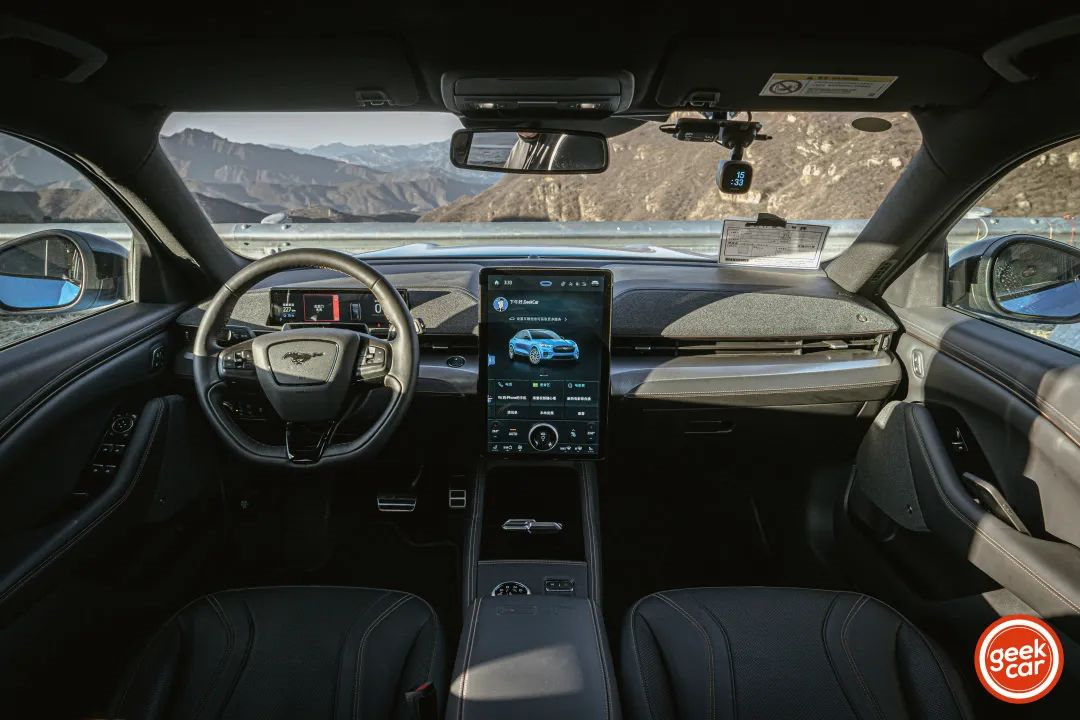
(696, 351)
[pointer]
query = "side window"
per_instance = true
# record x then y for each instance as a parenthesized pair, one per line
(64, 249)
(1015, 257)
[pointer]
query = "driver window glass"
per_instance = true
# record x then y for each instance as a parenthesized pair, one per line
(42, 280)
(1039, 198)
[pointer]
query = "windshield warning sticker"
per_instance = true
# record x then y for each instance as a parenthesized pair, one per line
(748, 243)
(827, 86)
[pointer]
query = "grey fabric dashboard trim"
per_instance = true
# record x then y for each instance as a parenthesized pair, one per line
(736, 314)
(677, 301)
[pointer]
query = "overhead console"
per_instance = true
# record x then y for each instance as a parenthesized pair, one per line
(545, 338)
(486, 97)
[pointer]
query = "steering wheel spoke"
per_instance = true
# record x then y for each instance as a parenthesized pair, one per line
(305, 442)
(374, 361)
(237, 362)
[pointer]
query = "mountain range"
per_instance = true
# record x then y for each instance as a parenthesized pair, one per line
(816, 166)
(246, 182)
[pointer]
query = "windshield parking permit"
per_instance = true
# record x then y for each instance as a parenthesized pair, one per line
(835, 86)
(751, 243)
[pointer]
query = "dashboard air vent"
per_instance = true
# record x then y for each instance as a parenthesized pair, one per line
(453, 344)
(629, 346)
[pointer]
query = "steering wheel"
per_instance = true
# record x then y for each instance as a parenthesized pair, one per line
(313, 377)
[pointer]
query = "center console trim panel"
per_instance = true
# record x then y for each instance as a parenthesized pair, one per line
(479, 573)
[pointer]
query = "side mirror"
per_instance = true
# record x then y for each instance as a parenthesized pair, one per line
(541, 152)
(61, 270)
(1019, 277)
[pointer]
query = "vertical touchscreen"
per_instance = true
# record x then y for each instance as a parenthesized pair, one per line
(545, 336)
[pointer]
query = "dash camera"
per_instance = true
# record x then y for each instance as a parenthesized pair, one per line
(734, 176)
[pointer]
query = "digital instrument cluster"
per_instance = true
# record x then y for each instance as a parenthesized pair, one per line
(318, 305)
(546, 337)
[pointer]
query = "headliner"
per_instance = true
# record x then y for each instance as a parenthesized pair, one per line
(300, 57)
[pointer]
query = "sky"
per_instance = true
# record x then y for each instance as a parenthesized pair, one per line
(309, 129)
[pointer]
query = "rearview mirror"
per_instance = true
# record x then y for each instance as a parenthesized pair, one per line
(542, 152)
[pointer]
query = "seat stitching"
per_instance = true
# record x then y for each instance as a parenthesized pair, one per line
(434, 647)
(472, 549)
(150, 643)
(473, 623)
(230, 641)
(855, 609)
(600, 657)
(708, 649)
(70, 542)
(341, 650)
(363, 646)
(437, 634)
(975, 528)
(937, 661)
(829, 657)
(246, 656)
(731, 658)
(637, 654)
(591, 567)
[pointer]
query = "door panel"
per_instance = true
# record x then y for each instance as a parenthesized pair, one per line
(995, 404)
(58, 500)
(1018, 396)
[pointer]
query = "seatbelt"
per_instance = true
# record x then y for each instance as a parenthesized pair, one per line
(422, 703)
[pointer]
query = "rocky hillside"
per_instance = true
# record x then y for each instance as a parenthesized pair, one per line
(816, 166)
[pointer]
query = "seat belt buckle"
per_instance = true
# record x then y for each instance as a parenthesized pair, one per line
(422, 702)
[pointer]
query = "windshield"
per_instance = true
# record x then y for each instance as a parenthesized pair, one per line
(366, 182)
(544, 335)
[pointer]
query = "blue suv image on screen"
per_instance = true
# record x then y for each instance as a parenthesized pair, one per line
(540, 345)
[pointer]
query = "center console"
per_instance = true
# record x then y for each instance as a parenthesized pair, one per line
(533, 643)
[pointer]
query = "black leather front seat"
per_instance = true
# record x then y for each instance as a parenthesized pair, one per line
(288, 652)
(724, 653)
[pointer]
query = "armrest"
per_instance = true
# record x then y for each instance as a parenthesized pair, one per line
(533, 657)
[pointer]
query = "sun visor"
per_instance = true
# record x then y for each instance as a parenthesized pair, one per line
(263, 76)
(715, 74)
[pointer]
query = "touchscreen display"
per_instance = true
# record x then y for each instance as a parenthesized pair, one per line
(546, 338)
(326, 306)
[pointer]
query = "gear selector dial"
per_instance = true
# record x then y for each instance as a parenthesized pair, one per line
(543, 437)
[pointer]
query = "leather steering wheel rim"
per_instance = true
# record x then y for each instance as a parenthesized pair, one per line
(401, 377)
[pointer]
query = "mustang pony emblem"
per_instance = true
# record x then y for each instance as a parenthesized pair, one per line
(299, 358)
